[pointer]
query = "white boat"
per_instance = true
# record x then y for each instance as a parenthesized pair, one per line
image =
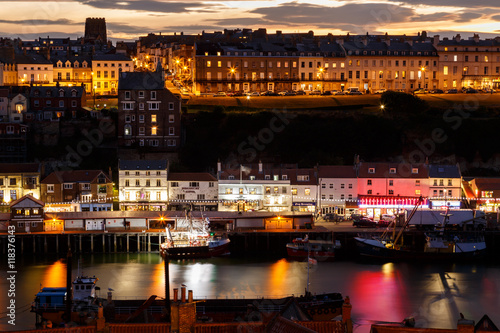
(191, 238)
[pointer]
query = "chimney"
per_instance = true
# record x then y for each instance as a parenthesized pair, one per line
(457, 38)
(476, 38)
(176, 295)
(190, 296)
(260, 166)
(183, 294)
(110, 296)
(465, 325)
(435, 40)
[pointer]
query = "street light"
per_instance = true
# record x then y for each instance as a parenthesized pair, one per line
(423, 76)
(248, 100)
(95, 87)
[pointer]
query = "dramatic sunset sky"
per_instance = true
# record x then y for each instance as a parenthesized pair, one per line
(128, 19)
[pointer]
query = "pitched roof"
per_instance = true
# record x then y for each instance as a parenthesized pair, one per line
(385, 170)
(73, 176)
(141, 80)
(28, 197)
(336, 171)
(487, 184)
(444, 171)
(192, 176)
(142, 164)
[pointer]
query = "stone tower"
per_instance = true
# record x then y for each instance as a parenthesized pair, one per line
(95, 30)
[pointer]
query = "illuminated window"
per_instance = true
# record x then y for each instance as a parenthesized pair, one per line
(153, 118)
(153, 130)
(392, 170)
(229, 191)
(307, 191)
(417, 192)
(209, 63)
(371, 170)
(294, 191)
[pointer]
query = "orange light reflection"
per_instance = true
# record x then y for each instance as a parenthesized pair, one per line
(157, 285)
(278, 277)
(55, 275)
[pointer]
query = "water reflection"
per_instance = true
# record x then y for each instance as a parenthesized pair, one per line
(433, 294)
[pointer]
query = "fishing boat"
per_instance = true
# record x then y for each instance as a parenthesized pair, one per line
(191, 238)
(305, 248)
(441, 244)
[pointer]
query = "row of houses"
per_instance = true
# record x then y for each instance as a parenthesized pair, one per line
(246, 60)
(366, 188)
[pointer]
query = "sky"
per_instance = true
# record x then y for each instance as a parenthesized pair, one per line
(129, 19)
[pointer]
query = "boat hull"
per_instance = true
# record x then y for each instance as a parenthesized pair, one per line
(367, 248)
(303, 255)
(197, 252)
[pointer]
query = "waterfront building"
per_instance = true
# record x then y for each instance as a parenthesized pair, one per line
(253, 187)
(445, 186)
(27, 214)
(149, 115)
(483, 193)
(338, 189)
(192, 191)
(387, 188)
(77, 190)
(143, 184)
(303, 189)
(18, 180)
(18, 104)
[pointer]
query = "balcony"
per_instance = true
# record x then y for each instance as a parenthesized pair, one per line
(29, 186)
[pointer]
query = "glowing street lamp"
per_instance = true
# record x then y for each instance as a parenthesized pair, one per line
(95, 87)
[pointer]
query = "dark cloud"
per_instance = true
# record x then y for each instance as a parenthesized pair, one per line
(293, 15)
(496, 17)
(442, 16)
(466, 17)
(153, 6)
(452, 3)
(42, 22)
(125, 28)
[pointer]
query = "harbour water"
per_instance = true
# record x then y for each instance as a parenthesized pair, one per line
(434, 294)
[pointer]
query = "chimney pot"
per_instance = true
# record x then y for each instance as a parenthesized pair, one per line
(183, 294)
(176, 295)
(190, 296)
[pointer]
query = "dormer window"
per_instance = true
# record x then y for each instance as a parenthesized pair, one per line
(414, 170)
(252, 177)
(231, 177)
(48, 93)
(267, 177)
(284, 177)
(61, 93)
(371, 170)
(392, 170)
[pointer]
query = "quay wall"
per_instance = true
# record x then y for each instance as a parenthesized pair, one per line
(261, 243)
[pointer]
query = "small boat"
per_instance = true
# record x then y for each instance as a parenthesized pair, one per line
(191, 238)
(441, 244)
(304, 248)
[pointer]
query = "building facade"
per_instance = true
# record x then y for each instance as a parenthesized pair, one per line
(77, 190)
(193, 191)
(149, 115)
(18, 180)
(143, 185)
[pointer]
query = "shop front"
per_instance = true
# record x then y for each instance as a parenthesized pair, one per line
(374, 206)
(308, 207)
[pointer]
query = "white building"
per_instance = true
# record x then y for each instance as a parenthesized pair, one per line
(143, 184)
(338, 189)
(196, 191)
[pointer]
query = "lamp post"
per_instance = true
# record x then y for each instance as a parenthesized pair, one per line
(248, 100)
(95, 87)
(423, 76)
(320, 76)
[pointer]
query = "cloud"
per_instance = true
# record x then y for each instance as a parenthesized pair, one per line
(496, 18)
(467, 17)
(42, 22)
(153, 6)
(452, 3)
(451, 17)
(292, 15)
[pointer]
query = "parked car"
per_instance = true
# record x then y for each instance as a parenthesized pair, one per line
(300, 92)
(489, 91)
(340, 92)
(220, 94)
(364, 222)
(253, 93)
(437, 91)
(380, 91)
(420, 91)
(315, 92)
(327, 93)
(471, 91)
(290, 93)
(270, 93)
(452, 91)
